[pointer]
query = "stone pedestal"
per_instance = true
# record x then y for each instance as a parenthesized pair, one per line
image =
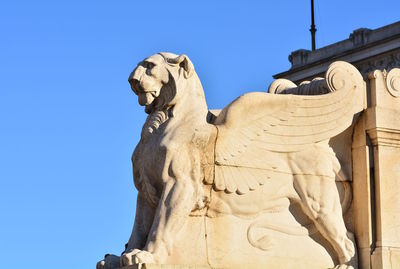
(165, 266)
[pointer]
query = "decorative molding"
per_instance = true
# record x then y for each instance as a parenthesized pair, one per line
(389, 62)
(393, 82)
(384, 137)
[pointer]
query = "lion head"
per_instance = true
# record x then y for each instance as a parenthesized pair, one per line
(156, 79)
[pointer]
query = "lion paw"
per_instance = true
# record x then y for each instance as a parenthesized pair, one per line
(136, 256)
(109, 262)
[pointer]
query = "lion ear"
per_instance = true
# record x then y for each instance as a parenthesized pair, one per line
(185, 65)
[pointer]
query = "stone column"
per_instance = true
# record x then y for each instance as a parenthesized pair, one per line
(362, 195)
(382, 124)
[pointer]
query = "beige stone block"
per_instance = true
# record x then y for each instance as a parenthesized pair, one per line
(386, 258)
(230, 242)
(387, 184)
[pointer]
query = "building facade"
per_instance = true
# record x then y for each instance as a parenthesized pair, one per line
(366, 49)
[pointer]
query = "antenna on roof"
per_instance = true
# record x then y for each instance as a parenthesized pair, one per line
(312, 29)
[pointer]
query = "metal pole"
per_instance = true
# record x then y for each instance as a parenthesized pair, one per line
(312, 29)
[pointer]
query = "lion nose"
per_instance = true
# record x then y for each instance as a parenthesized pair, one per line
(138, 73)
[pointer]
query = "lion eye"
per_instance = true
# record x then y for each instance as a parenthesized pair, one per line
(148, 65)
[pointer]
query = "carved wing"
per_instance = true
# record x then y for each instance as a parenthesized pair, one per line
(257, 128)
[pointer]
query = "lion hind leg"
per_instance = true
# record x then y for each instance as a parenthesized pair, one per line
(335, 232)
(320, 201)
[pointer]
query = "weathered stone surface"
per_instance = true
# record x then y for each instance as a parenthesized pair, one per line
(264, 183)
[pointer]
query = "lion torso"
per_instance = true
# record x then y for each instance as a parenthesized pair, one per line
(163, 139)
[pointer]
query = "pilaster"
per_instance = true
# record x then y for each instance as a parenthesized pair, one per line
(382, 125)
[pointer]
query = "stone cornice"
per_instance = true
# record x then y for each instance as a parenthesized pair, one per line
(366, 49)
(384, 137)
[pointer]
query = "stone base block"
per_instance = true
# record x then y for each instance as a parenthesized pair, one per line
(386, 258)
(166, 266)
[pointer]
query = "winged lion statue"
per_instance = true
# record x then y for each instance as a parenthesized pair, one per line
(190, 161)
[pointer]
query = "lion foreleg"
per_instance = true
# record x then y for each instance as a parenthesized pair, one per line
(174, 209)
(177, 200)
(143, 221)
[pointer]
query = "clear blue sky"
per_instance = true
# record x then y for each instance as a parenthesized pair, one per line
(69, 122)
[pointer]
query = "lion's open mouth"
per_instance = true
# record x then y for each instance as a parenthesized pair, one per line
(146, 98)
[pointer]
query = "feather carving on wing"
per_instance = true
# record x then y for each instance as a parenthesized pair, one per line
(257, 128)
